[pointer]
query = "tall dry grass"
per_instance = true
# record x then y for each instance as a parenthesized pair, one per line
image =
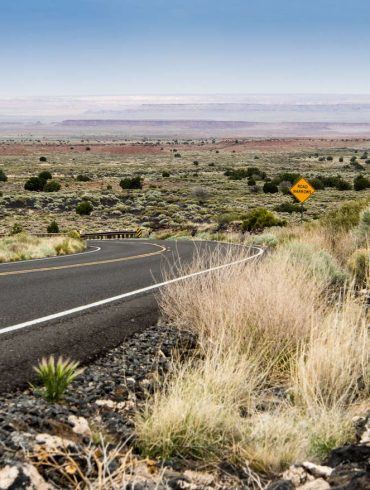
(267, 306)
(280, 367)
(24, 247)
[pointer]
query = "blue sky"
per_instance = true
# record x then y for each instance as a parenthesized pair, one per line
(97, 47)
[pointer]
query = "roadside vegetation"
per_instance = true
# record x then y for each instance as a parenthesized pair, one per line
(22, 246)
(143, 183)
(281, 364)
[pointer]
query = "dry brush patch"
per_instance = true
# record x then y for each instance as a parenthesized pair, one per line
(281, 366)
(23, 246)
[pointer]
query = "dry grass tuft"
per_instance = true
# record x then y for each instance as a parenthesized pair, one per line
(263, 328)
(247, 305)
(24, 247)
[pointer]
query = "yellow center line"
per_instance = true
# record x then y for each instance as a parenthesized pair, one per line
(86, 264)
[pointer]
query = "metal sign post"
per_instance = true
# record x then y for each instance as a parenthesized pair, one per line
(302, 190)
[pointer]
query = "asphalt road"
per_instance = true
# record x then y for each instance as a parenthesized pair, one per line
(48, 306)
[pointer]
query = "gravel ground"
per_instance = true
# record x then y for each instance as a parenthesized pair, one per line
(63, 445)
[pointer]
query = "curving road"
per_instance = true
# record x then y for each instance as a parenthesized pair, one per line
(81, 305)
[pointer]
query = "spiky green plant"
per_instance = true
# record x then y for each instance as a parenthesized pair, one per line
(56, 376)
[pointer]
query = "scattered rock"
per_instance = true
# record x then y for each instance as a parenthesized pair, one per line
(349, 454)
(318, 484)
(281, 485)
(297, 475)
(317, 470)
(14, 476)
(80, 425)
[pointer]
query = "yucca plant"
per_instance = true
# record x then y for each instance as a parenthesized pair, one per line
(56, 376)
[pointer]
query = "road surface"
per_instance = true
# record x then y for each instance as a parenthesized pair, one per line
(81, 305)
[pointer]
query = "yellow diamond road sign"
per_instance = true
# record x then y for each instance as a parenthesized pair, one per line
(302, 190)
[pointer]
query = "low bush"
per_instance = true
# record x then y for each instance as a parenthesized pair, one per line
(84, 208)
(344, 217)
(289, 207)
(363, 229)
(45, 175)
(290, 177)
(17, 228)
(242, 173)
(201, 194)
(343, 185)
(270, 188)
(318, 263)
(22, 246)
(359, 266)
(34, 184)
(83, 178)
(361, 183)
(264, 240)
(41, 183)
(52, 186)
(131, 183)
(317, 184)
(53, 227)
(3, 177)
(260, 218)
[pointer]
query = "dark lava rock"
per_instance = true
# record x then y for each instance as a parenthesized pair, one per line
(349, 454)
(281, 485)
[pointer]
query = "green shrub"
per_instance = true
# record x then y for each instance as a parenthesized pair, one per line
(270, 188)
(263, 240)
(243, 173)
(53, 227)
(332, 181)
(317, 184)
(361, 183)
(363, 230)
(45, 175)
(226, 218)
(260, 218)
(84, 208)
(56, 376)
(83, 178)
(34, 184)
(43, 159)
(291, 177)
(237, 174)
(341, 159)
(318, 262)
(359, 266)
(345, 217)
(134, 183)
(288, 207)
(165, 174)
(343, 185)
(3, 177)
(52, 186)
(17, 228)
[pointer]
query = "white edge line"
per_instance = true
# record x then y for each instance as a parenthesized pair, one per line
(52, 257)
(102, 302)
